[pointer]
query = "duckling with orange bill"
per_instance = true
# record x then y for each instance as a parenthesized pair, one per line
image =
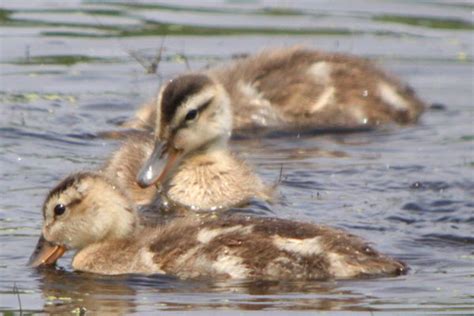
(88, 213)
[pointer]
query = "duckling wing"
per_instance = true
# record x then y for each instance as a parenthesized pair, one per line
(263, 248)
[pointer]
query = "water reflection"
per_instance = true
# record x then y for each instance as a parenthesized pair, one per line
(65, 292)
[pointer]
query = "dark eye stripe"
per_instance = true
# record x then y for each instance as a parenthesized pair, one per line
(178, 91)
(74, 202)
(200, 109)
(192, 114)
(59, 209)
(204, 106)
(65, 184)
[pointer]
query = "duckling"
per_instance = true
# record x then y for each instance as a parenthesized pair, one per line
(191, 161)
(297, 88)
(87, 213)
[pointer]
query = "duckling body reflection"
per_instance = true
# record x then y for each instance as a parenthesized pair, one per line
(86, 212)
(297, 88)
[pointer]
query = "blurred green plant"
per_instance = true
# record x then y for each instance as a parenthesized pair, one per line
(436, 23)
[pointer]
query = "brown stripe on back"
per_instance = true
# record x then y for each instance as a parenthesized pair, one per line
(177, 91)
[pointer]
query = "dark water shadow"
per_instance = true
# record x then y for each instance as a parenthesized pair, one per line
(250, 133)
(288, 132)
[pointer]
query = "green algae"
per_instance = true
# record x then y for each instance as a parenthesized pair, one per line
(153, 29)
(66, 60)
(435, 23)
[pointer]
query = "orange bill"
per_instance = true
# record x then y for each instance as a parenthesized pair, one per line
(45, 253)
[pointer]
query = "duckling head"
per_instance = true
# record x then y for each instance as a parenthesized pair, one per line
(83, 209)
(194, 115)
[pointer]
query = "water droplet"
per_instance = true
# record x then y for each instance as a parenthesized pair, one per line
(416, 185)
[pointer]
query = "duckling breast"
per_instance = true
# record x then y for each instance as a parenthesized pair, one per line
(215, 181)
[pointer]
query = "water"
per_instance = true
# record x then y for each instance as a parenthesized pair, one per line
(67, 73)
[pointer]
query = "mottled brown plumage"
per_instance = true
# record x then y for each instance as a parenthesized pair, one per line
(104, 229)
(303, 88)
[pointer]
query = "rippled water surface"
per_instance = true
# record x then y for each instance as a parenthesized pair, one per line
(72, 69)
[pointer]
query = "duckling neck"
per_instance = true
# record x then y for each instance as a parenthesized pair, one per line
(125, 225)
(215, 155)
(122, 218)
(218, 147)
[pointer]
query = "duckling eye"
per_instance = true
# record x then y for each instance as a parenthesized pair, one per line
(191, 115)
(59, 209)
